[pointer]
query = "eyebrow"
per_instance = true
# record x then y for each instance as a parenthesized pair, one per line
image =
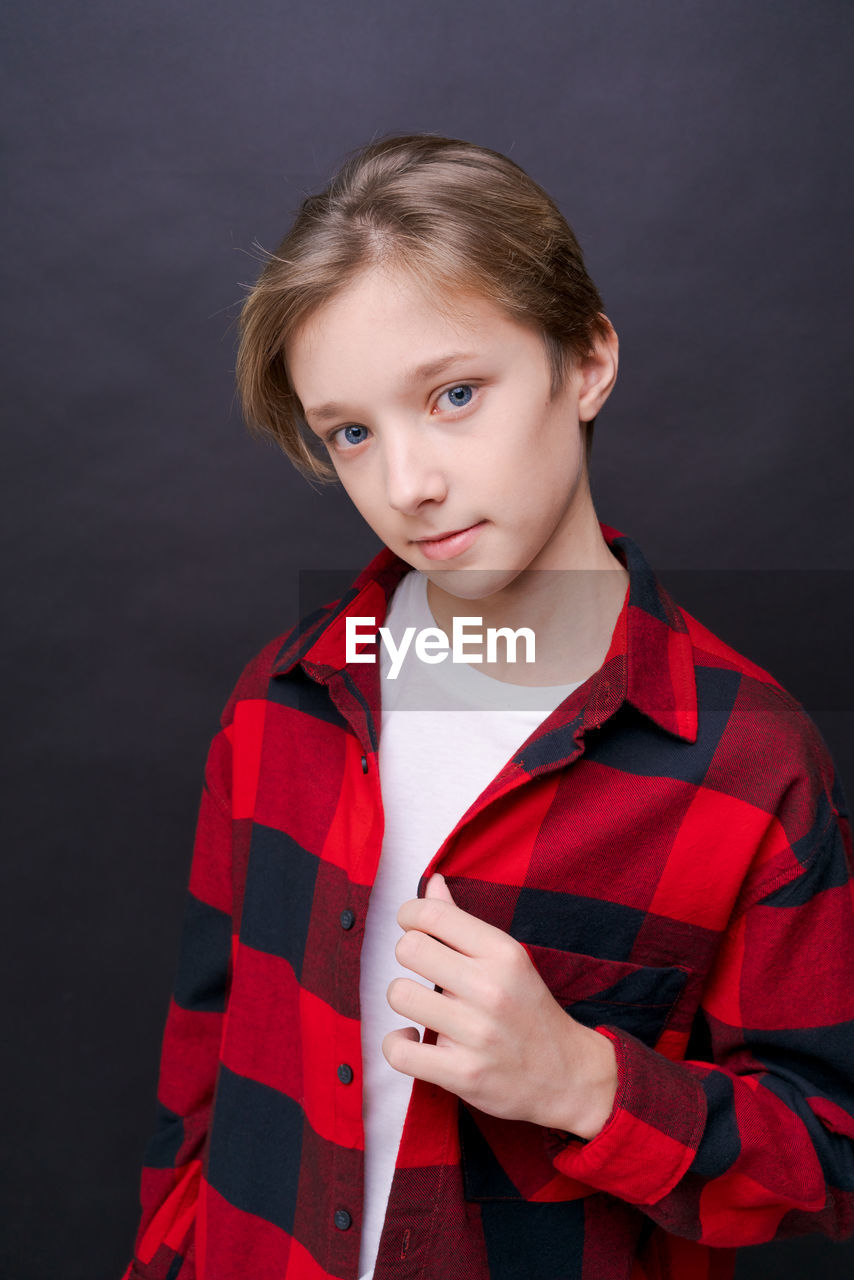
(330, 410)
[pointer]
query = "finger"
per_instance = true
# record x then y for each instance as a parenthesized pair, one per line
(427, 1062)
(410, 1033)
(438, 963)
(437, 887)
(431, 1009)
(450, 924)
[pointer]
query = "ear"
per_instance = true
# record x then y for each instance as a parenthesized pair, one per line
(597, 373)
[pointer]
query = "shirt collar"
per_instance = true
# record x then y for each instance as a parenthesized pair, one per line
(649, 664)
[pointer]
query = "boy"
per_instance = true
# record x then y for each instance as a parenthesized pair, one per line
(609, 890)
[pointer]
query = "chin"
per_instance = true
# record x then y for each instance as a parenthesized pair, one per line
(471, 584)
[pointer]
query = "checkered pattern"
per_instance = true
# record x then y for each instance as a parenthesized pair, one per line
(673, 848)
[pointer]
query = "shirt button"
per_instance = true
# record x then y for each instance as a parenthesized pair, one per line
(364, 764)
(347, 918)
(342, 1219)
(345, 1073)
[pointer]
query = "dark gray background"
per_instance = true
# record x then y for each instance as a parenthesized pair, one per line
(702, 152)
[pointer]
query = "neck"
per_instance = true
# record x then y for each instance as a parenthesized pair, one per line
(571, 606)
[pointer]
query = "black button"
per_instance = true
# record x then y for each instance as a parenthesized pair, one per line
(345, 1073)
(342, 1219)
(347, 918)
(364, 764)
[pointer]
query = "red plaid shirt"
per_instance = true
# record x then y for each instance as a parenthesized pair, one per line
(672, 846)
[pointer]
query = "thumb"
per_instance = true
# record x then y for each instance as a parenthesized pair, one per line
(437, 888)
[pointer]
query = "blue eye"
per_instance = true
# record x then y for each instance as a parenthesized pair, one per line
(345, 438)
(349, 439)
(459, 395)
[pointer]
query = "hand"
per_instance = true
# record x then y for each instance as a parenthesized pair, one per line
(503, 1043)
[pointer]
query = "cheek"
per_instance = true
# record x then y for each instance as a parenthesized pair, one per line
(371, 504)
(358, 485)
(360, 496)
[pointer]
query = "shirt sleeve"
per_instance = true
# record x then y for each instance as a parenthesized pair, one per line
(173, 1158)
(751, 1138)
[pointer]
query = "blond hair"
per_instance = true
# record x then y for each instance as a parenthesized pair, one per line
(459, 218)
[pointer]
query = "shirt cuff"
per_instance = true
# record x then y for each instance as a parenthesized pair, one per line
(652, 1134)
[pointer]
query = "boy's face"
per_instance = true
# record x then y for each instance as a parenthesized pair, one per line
(478, 445)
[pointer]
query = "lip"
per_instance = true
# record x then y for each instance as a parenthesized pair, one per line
(451, 544)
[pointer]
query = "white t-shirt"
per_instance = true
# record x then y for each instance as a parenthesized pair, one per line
(447, 730)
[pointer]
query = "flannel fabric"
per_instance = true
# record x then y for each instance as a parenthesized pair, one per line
(672, 846)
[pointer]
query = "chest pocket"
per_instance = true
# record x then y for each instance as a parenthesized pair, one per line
(508, 1159)
(637, 998)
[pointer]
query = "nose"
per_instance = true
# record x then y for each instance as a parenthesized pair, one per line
(413, 473)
